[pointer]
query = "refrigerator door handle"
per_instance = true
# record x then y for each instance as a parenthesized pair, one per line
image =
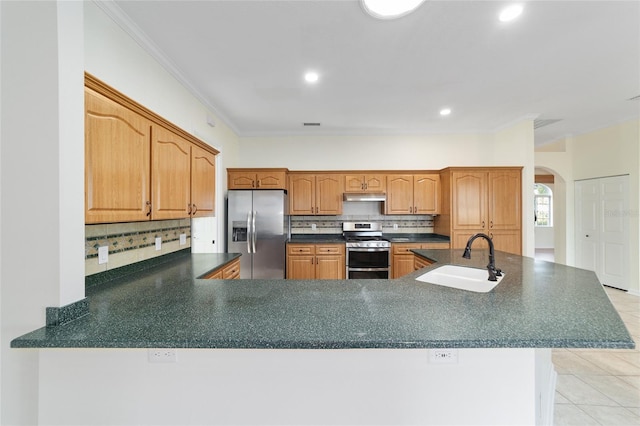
(249, 232)
(255, 232)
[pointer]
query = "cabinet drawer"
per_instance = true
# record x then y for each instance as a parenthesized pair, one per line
(231, 271)
(294, 249)
(405, 248)
(420, 262)
(330, 249)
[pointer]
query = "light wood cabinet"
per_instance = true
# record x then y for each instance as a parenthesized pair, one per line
(364, 183)
(315, 194)
(138, 166)
(203, 182)
(257, 178)
(170, 175)
(230, 271)
(316, 261)
(183, 177)
(117, 162)
(413, 194)
(402, 258)
(487, 200)
(420, 262)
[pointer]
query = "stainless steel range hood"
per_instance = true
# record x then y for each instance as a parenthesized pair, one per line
(364, 196)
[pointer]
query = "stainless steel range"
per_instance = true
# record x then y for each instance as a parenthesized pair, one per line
(367, 251)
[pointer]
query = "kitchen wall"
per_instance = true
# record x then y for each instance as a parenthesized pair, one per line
(610, 151)
(354, 211)
(511, 145)
(133, 242)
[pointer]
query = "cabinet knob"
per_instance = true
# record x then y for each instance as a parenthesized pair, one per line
(149, 205)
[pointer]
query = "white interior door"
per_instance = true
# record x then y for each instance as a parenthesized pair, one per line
(614, 234)
(602, 229)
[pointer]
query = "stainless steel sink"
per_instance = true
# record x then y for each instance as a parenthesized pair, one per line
(460, 277)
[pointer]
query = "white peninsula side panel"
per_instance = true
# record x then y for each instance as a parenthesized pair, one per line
(296, 387)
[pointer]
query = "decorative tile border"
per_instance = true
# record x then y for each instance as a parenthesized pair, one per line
(129, 238)
(333, 224)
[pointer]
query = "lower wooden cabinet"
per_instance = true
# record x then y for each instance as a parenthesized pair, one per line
(316, 261)
(420, 262)
(230, 271)
(403, 259)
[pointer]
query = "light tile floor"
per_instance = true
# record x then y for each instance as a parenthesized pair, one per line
(601, 387)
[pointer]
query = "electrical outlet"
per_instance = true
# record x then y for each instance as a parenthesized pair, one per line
(313, 227)
(395, 226)
(158, 243)
(183, 239)
(162, 355)
(443, 356)
(103, 254)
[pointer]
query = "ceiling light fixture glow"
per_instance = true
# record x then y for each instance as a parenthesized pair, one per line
(311, 77)
(445, 111)
(390, 9)
(510, 13)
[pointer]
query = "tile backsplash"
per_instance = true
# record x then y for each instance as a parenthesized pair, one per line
(362, 212)
(132, 242)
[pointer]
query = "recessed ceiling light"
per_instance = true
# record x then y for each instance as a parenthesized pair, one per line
(390, 9)
(311, 77)
(445, 111)
(510, 13)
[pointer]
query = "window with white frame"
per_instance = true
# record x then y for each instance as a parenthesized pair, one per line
(543, 205)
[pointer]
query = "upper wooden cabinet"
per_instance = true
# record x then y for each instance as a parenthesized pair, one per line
(413, 194)
(257, 178)
(364, 183)
(486, 200)
(170, 175)
(203, 182)
(117, 162)
(315, 194)
(139, 166)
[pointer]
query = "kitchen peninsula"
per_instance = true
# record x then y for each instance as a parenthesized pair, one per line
(379, 339)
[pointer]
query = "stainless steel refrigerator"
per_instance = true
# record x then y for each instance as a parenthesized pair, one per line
(257, 227)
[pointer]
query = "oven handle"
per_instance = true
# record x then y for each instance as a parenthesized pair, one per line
(367, 269)
(367, 249)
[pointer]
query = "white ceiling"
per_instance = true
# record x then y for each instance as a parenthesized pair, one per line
(577, 61)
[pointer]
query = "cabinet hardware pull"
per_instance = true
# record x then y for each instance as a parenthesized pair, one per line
(195, 209)
(253, 183)
(415, 209)
(189, 209)
(149, 205)
(258, 183)
(483, 223)
(491, 224)
(316, 210)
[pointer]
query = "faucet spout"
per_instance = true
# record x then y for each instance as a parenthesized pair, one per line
(491, 267)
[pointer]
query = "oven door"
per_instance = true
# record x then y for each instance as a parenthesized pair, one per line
(367, 262)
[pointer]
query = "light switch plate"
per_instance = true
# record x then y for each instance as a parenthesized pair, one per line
(183, 239)
(158, 243)
(313, 226)
(103, 254)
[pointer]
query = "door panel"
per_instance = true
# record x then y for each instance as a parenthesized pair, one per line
(469, 195)
(269, 257)
(170, 175)
(240, 203)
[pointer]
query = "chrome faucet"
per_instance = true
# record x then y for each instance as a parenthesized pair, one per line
(491, 267)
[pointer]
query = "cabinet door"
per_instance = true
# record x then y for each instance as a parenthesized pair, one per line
(399, 194)
(402, 265)
(302, 194)
(117, 162)
(203, 182)
(330, 267)
(459, 239)
(241, 180)
(374, 183)
(271, 180)
(507, 241)
(469, 199)
(171, 175)
(328, 195)
(505, 200)
(353, 183)
(426, 194)
(301, 267)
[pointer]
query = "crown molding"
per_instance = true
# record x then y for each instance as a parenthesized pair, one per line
(113, 11)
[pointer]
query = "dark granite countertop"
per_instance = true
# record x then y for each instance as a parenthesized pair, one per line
(537, 304)
(394, 238)
(417, 238)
